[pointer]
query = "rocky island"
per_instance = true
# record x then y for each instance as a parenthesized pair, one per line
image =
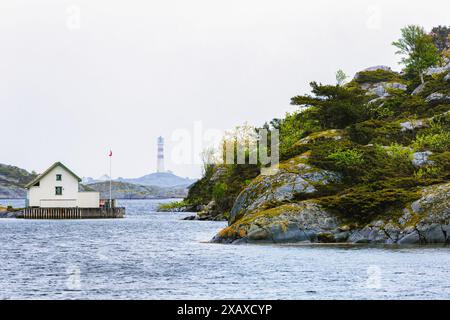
(361, 161)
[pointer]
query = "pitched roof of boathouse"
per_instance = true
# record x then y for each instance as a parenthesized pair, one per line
(43, 174)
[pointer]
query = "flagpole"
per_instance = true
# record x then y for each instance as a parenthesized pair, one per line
(110, 179)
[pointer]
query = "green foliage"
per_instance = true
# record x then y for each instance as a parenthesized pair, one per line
(376, 76)
(432, 141)
(442, 161)
(292, 128)
(429, 171)
(437, 137)
(339, 156)
(247, 181)
(362, 164)
(379, 110)
(410, 105)
(340, 77)
(320, 150)
(201, 191)
(393, 161)
(436, 84)
(407, 43)
(228, 182)
(440, 35)
(293, 150)
(418, 50)
(404, 105)
(396, 152)
(364, 203)
(173, 205)
(379, 132)
(219, 191)
(333, 107)
(347, 158)
(364, 132)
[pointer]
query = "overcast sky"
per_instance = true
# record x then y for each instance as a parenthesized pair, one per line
(80, 77)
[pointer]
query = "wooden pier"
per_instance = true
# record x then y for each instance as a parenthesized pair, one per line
(73, 213)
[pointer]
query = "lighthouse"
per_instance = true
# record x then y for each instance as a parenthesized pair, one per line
(160, 156)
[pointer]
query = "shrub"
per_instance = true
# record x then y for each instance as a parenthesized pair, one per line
(173, 205)
(376, 76)
(435, 84)
(397, 152)
(436, 137)
(292, 128)
(432, 141)
(442, 161)
(353, 161)
(379, 111)
(347, 158)
(334, 107)
(219, 190)
(320, 150)
(411, 105)
(364, 132)
(386, 163)
(364, 203)
(427, 172)
(379, 132)
(201, 191)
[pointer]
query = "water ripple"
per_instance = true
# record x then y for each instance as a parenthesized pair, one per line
(151, 255)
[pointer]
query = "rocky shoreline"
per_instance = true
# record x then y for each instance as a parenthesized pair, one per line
(11, 214)
(424, 221)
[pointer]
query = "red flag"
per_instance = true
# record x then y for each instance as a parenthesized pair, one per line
(110, 153)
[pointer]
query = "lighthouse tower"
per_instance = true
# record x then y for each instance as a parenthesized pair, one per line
(160, 157)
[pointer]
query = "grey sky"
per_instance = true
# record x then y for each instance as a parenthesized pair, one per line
(134, 70)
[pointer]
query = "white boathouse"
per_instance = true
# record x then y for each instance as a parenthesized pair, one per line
(58, 187)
